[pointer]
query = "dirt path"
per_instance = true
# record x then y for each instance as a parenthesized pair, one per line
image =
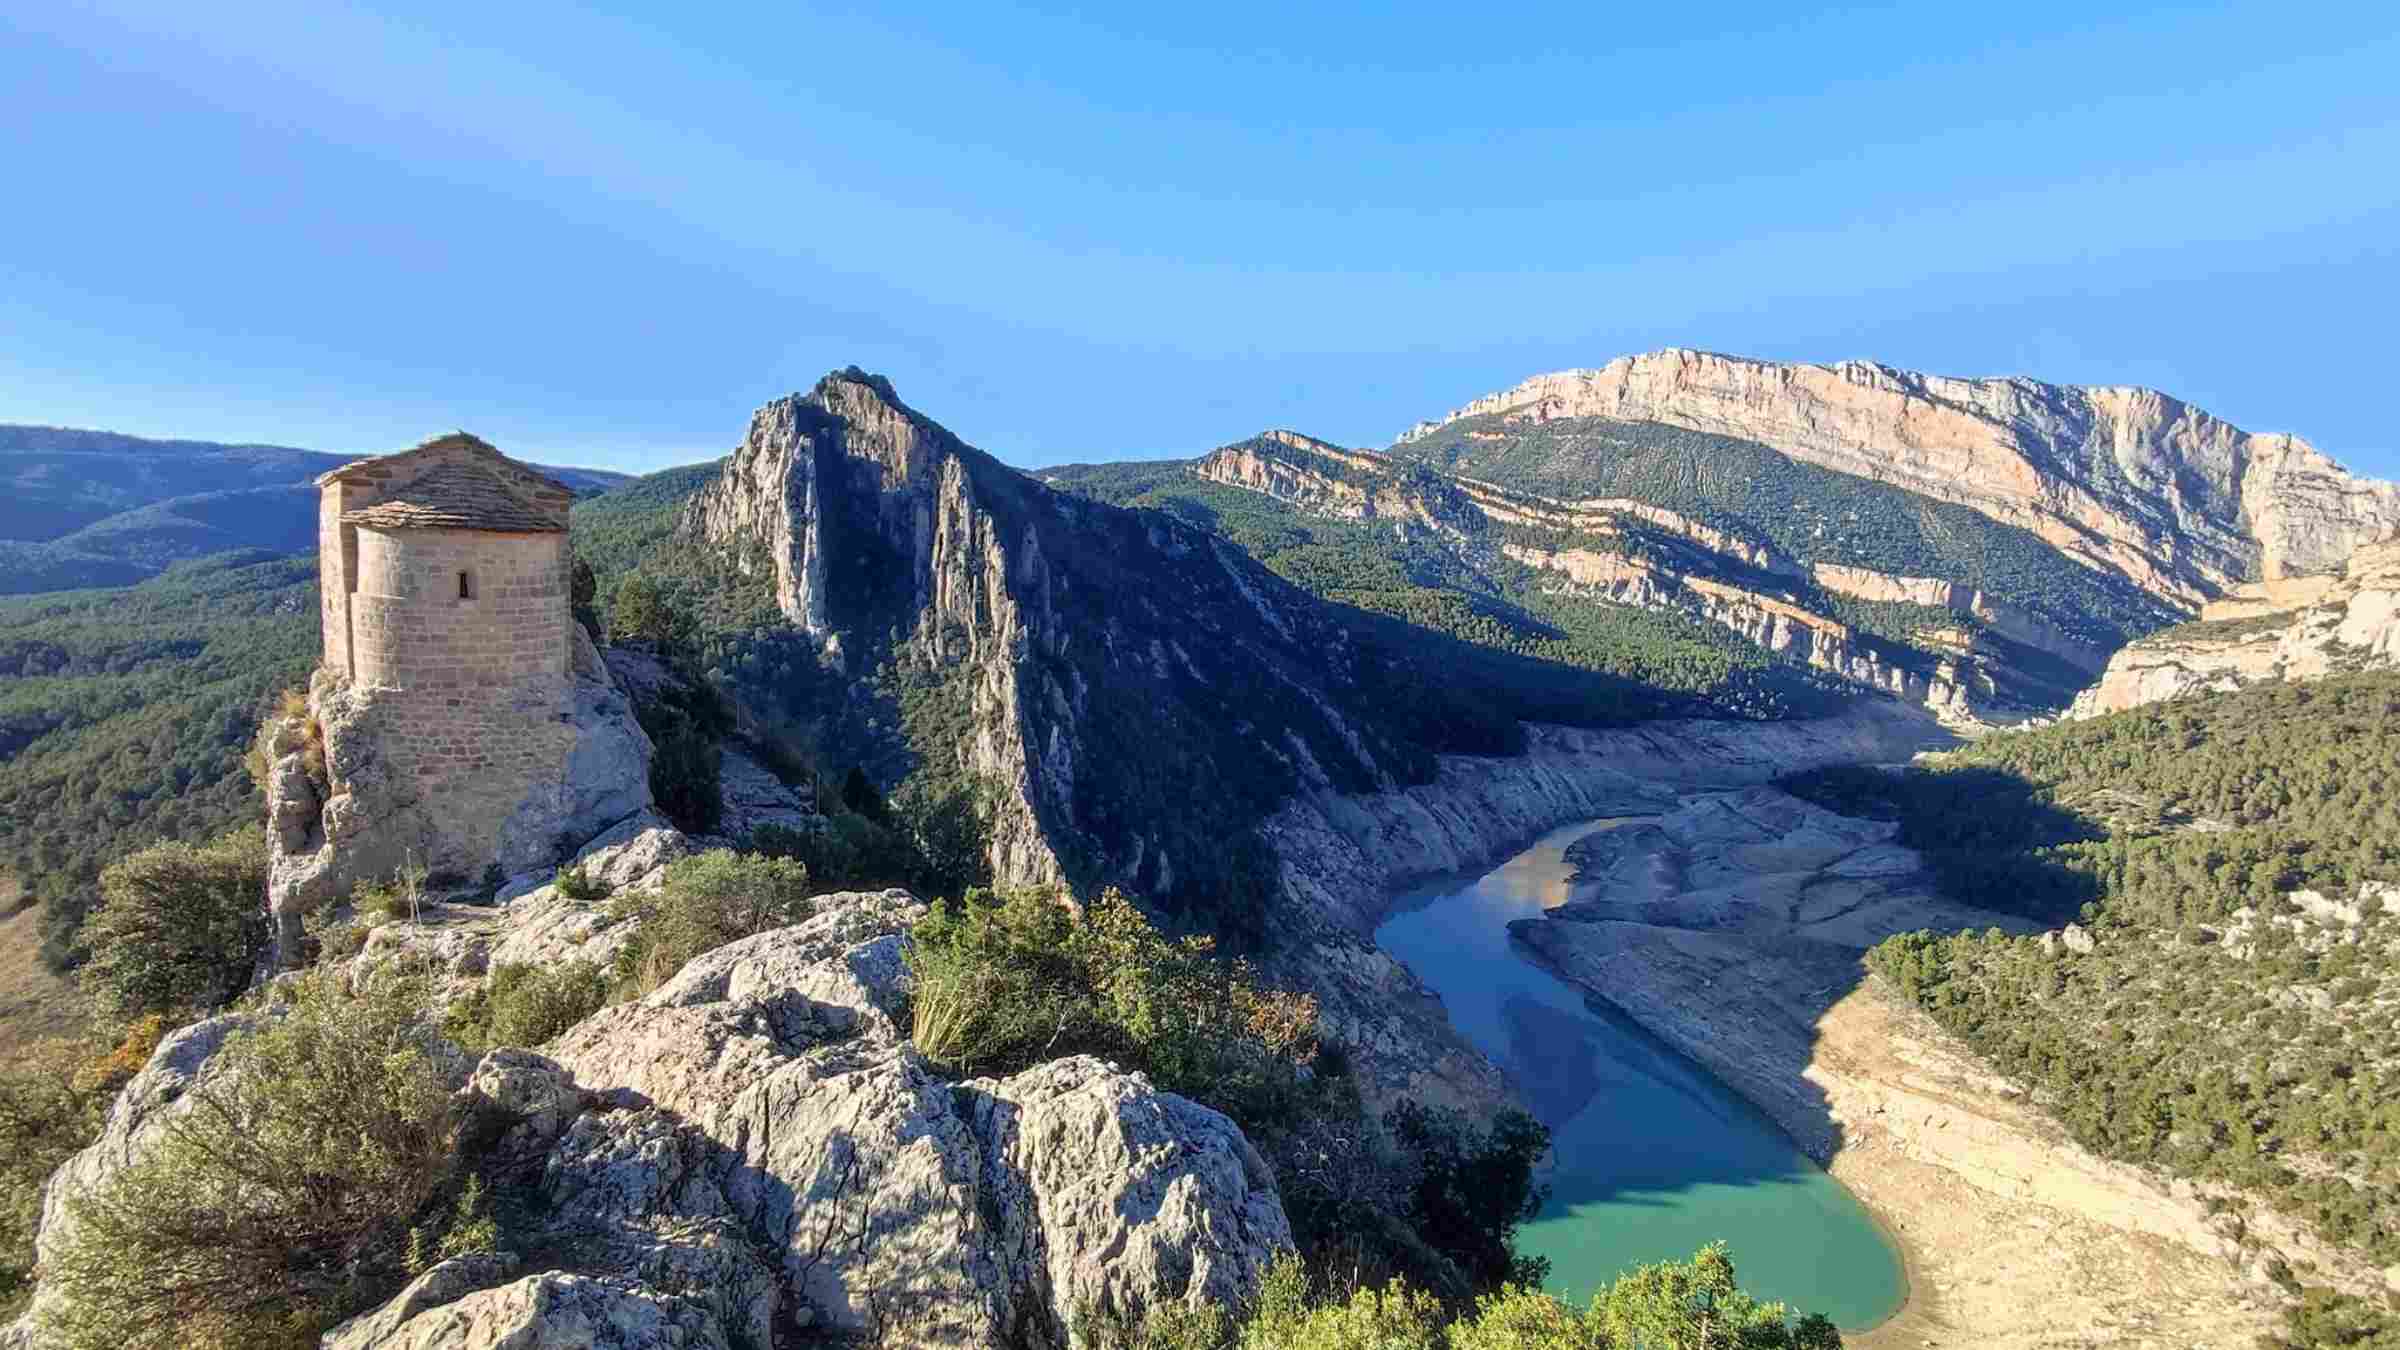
(34, 1003)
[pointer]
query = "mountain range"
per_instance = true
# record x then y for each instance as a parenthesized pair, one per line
(1271, 691)
(95, 508)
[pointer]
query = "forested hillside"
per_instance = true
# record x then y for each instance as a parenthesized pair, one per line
(124, 716)
(95, 508)
(1812, 513)
(2235, 1014)
(1418, 581)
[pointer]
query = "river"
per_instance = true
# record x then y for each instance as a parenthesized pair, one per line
(1655, 1158)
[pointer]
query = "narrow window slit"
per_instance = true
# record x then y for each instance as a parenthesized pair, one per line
(466, 585)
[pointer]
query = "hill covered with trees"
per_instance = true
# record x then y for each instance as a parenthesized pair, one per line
(2229, 1006)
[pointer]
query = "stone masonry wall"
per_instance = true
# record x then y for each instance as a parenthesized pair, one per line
(410, 629)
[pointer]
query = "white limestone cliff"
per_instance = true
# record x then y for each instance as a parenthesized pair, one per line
(2127, 480)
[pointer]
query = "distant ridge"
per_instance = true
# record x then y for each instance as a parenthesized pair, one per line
(98, 508)
(2125, 479)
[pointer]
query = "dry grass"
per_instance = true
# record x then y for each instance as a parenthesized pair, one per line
(35, 1004)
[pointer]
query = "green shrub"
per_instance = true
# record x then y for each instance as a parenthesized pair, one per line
(845, 852)
(1394, 1318)
(525, 1005)
(50, 1107)
(1000, 982)
(282, 1200)
(179, 927)
(1470, 1188)
(1696, 1305)
(705, 902)
(575, 884)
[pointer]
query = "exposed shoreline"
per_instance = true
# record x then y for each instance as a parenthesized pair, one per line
(2009, 1234)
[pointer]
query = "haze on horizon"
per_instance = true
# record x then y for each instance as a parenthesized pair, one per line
(602, 238)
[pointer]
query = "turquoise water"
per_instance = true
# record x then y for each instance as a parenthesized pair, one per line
(1655, 1157)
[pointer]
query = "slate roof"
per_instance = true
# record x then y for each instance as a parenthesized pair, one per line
(457, 496)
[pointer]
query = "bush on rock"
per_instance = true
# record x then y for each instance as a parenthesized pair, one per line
(283, 1197)
(705, 902)
(179, 926)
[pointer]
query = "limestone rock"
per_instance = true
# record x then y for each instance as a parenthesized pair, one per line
(755, 1149)
(2293, 628)
(752, 796)
(1628, 552)
(550, 1311)
(2127, 480)
(630, 854)
(1116, 1197)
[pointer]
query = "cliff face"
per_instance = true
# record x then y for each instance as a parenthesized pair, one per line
(1130, 694)
(2126, 480)
(1960, 661)
(2295, 628)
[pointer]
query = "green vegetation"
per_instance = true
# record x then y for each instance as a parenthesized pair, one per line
(705, 902)
(1813, 514)
(283, 1198)
(1411, 576)
(1002, 982)
(178, 929)
(2217, 1030)
(1689, 1305)
(525, 1005)
(125, 715)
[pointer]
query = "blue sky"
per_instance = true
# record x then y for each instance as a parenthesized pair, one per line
(603, 237)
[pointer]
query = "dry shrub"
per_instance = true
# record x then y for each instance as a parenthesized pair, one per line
(283, 1199)
(47, 1113)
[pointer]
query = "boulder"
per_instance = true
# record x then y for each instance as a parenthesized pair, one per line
(755, 1149)
(1112, 1196)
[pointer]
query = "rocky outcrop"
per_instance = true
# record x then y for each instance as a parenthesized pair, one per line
(755, 1152)
(761, 1124)
(2297, 628)
(338, 815)
(1345, 859)
(1076, 655)
(2126, 480)
(1626, 552)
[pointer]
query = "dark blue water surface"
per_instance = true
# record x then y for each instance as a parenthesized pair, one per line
(1655, 1157)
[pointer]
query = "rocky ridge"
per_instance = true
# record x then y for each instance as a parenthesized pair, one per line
(2127, 480)
(755, 1150)
(1961, 662)
(2292, 628)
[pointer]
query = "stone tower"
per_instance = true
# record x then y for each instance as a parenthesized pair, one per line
(444, 570)
(460, 719)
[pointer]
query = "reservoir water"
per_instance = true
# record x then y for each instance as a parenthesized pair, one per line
(1655, 1157)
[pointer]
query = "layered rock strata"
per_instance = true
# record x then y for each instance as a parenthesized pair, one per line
(2127, 480)
(2297, 628)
